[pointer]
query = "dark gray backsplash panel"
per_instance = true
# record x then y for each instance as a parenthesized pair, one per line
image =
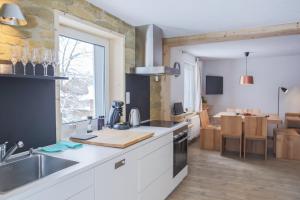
(27, 112)
(139, 88)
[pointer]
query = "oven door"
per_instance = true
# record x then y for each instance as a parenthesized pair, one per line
(180, 152)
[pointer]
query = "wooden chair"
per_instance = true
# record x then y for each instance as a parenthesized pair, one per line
(204, 119)
(288, 144)
(255, 128)
(231, 127)
(210, 134)
(292, 120)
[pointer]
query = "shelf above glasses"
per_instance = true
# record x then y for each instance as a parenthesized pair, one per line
(33, 77)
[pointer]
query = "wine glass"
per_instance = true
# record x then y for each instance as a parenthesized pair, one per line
(14, 57)
(46, 60)
(35, 59)
(55, 61)
(25, 58)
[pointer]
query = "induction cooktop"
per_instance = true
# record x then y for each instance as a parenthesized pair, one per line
(159, 123)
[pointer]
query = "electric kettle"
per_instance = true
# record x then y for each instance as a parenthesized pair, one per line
(134, 117)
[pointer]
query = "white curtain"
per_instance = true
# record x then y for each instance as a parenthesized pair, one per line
(198, 85)
(189, 86)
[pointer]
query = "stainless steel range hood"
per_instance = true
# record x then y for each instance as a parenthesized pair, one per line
(149, 52)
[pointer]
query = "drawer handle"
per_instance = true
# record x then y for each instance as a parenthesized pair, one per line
(119, 164)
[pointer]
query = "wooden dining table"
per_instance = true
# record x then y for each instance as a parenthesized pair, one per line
(272, 119)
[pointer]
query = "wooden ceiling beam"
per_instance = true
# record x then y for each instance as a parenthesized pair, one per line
(243, 34)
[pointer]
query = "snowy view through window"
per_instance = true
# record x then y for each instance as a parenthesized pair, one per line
(77, 95)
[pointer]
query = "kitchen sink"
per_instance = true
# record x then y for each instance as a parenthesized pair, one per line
(26, 169)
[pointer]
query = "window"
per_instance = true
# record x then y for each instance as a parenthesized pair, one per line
(189, 86)
(82, 60)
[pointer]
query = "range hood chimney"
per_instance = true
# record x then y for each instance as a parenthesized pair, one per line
(149, 53)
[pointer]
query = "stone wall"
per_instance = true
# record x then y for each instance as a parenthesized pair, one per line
(39, 32)
(155, 99)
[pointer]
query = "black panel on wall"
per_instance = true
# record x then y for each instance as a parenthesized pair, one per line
(27, 112)
(139, 88)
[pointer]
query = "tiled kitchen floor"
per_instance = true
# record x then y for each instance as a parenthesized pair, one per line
(213, 177)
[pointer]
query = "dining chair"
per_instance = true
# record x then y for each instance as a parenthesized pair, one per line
(231, 127)
(204, 119)
(209, 134)
(255, 128)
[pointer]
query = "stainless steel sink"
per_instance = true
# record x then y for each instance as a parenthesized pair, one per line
(26, 169)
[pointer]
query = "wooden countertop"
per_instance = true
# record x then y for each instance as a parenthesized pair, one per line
(116, 138)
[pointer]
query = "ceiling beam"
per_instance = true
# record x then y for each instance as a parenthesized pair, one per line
(243, 34)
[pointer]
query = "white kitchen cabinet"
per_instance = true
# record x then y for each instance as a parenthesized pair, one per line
(159, 189)
(154, 165)
(117, 179)
(195, 130)
(144, 173)
(128, 175)
(68, 189)
(154, 145)
(87, 194)
(155, 169)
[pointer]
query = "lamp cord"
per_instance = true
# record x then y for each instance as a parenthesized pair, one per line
(246, 65)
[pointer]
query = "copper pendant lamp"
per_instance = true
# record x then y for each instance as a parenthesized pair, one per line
(246, 79)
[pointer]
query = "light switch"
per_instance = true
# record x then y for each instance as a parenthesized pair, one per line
(127, 97)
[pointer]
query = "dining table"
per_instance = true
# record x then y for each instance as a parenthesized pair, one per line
(272, 119)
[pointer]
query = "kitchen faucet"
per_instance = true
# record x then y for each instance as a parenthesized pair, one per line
(4, 155)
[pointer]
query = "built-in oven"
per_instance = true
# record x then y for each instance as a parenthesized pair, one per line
(180, 142)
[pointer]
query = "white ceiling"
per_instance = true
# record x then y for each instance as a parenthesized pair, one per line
(185, 17)
(275, 46)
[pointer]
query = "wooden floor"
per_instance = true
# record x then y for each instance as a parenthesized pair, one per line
(213, 177)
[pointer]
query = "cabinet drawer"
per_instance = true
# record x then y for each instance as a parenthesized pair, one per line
(117, 179)
(159, 189)
(154, 145)
(87, 194)
(66, 189)
(152, 166)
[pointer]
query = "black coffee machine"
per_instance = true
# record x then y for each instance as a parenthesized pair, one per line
(115, 113)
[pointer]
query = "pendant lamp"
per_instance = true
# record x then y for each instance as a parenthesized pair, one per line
(246, 79)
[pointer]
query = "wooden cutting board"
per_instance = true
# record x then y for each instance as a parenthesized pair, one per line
(116, 138)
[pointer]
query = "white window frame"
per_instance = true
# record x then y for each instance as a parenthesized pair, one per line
(80, 35)
(116, 67)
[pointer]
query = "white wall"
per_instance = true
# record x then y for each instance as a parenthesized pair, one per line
(268, 72)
